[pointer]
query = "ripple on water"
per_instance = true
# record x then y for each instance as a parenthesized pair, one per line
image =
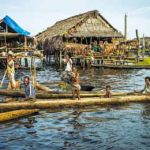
(110, 127)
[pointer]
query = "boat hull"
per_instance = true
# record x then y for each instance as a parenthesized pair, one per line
(68, 103)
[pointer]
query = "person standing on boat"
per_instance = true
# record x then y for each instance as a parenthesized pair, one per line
(146, 90)
(68, 68)
(11, 71)
(29, 90)
(75, 83)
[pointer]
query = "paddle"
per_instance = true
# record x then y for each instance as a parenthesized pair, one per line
(3, 78)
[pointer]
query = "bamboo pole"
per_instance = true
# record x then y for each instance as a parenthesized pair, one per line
(34, 74)
(143, 49)
(5, 37)
(60, 58)
(3, 78)
(56, 57)
(137, 36)
(16, 114)
(60, 103)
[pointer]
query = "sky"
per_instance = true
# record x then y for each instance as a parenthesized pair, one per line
(37, 15)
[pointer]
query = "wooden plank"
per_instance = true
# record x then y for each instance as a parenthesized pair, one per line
(122, 66)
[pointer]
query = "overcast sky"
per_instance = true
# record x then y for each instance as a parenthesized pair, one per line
(36, 15)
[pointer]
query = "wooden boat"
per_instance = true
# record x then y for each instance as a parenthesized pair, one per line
(68, 103)
(84, 87)
(16, 114)
(55, 95)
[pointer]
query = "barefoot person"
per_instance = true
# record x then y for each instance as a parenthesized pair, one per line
(11, 71)
(68, 68)
(29, 90)
(146, 89)
(75, 83)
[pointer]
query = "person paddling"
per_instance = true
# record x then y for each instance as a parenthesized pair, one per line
(29, 90)
(146, 90)
(68, 67)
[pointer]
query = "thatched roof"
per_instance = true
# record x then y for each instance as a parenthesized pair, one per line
(71, 27)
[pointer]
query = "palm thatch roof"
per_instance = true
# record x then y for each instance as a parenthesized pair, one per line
(89, 24)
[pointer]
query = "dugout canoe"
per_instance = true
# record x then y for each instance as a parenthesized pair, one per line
(68, 103)
(17, 114)
(55, 95)
(84, 87)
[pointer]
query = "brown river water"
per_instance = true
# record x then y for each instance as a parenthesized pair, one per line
(101, 127)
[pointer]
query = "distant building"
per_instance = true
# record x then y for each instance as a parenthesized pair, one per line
(80, 29)
(11, 33)
(147, 42)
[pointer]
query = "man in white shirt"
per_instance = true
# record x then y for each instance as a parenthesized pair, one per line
(68, 68)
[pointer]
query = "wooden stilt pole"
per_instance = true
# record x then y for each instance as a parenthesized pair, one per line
(56, 57)
(49, 55)
(26, 62)
(143, 49)
(125, 28)
(34, 73)
(138, 51)
(3, 78)
(60, 58)
(84, 63)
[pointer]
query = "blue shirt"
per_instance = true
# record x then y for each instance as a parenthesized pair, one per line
(29, 91)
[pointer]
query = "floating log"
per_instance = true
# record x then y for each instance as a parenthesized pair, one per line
(16, 114)
(42, 87)
(68, 103)
(48, 95)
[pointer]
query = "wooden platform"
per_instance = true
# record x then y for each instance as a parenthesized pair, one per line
(122, 66)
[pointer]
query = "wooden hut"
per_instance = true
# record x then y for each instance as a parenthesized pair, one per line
(80, 29)
(15, 40)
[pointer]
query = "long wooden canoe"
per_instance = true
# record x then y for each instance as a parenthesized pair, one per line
(16, 114)
(51, 94)
(68, 103)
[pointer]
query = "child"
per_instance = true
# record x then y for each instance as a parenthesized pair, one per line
(108, 93)
(75, 83)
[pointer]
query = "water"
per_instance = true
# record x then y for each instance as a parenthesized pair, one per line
(112, 127)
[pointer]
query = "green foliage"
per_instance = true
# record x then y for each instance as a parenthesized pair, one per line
(65, 87)
(146, 61)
